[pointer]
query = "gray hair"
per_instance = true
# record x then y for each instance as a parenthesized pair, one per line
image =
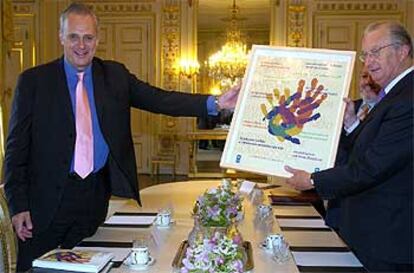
(398, 33)
(76, 8)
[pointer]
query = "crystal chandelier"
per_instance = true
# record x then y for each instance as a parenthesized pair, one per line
(229, 63)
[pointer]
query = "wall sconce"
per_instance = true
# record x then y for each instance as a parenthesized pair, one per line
(188, 68)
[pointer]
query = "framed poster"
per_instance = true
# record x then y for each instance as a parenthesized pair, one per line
(289, 111)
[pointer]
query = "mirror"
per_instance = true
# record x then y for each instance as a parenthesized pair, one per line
(216, 19)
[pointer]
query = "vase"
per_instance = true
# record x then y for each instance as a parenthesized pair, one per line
(200, 232)
(196, 235)
(209, 231)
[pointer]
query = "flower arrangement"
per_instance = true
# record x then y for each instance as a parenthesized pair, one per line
(217, 254)
(219, 207)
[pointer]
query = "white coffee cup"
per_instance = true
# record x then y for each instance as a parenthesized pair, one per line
(273, 239)
(163, 219)
(139, 255)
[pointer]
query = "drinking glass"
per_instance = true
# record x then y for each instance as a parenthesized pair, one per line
(280, 251)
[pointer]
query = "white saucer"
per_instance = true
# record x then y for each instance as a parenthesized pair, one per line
(263, 246)
(150, 262)
(171, 223)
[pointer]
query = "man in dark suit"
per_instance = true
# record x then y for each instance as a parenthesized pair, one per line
(355, 113)
(70, 146)
(376, 183)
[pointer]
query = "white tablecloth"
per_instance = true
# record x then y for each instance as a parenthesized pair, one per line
(164, 242)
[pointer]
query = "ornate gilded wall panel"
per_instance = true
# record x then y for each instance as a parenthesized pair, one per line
(7, 27)
(296, 25)
(170, 50)
(21, 50)
(170, 40)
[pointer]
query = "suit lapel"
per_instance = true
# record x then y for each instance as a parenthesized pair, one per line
(395, 91)
(63, 91)
(98, 91)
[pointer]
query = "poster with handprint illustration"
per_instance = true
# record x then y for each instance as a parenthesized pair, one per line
(289, 111)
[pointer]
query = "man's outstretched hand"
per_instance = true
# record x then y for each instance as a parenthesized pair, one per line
(228, 100)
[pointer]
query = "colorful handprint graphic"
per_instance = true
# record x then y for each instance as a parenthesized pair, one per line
(289, 113)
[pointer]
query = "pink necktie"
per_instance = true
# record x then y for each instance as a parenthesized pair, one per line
(83, 162)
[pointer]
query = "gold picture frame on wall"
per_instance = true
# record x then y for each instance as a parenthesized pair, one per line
(290, 110)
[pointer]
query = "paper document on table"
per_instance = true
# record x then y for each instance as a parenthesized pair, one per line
(120, 254)
(303, 223)
(247, 187)
(130, 220)
(334, 259)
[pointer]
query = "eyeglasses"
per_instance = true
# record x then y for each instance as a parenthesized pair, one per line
(375, 53)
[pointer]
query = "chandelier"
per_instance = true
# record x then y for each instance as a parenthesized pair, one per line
(229, 63)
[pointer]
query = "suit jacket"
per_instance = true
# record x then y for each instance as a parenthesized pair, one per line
(41, 139)
(376, 184)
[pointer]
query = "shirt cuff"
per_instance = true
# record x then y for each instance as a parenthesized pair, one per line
(311, 180)
(211, 106)
(351, 128)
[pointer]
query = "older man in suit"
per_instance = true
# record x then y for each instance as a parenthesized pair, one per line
(70, 146)
(376, 183)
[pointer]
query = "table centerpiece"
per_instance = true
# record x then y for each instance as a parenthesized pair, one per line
(215, 244)
(217, 254)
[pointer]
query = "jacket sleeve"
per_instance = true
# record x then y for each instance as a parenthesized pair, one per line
(17, 170)
(172, 103)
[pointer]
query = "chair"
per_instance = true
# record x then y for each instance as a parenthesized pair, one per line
(165, 155)
(8, 242)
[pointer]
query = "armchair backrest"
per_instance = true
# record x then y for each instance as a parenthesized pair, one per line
(8, 240)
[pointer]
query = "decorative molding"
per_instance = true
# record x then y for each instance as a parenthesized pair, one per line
(7, 26)
(23, 8)
(170, 39)
(113, 8)
(170, 51)
(296, 26)
(357, 6)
